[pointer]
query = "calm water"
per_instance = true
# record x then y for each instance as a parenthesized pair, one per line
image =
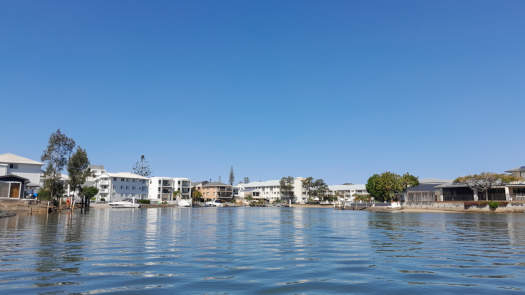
(262, 251)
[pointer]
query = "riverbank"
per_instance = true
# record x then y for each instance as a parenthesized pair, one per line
(472, 209)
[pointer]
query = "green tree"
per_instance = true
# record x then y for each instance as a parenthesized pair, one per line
(483, 182)
(78, 170)
(385, 186)
(56, 155)
(89, 192)
(409, 180)
(307, 185)
(286, 187)
(319, 189)
(142, 167)
(176, 194)
(232, 177)
(196, 195)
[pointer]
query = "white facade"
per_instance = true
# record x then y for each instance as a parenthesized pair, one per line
(271, 190)
(162, 188)
(184, 186)
(347, 192)
(123, 185)
(23, 167)
(96, 171)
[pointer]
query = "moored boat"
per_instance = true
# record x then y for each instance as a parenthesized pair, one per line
(126, 203)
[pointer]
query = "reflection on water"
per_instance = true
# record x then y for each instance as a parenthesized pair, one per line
(261, 251)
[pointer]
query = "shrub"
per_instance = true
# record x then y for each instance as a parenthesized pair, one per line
(44, 195)
(144, 202)
(493, 205)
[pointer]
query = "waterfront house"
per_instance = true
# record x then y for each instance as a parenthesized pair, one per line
(123, 185)
(11, 164)
(163, 188)
(427, 191)
(214, 190)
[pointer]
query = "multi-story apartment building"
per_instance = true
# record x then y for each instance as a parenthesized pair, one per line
(164, 188)
(270, 190)
(96, 171)
(347, 192)
(214, 190)
(123, 185)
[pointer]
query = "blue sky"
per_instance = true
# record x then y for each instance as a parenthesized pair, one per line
(331, 89)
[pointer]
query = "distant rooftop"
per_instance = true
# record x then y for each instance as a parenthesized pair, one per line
(216, 183)
(96, 166)
(345, 187)
(262, 183)
(434, 180)
(127, 175)
(16, 159)
(519, 169)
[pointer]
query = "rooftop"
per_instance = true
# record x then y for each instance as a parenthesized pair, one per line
(262, 183)
(127, 175)
(216, 183)
(347, 187)
(16, 159)
(429, 186)
(519, 169)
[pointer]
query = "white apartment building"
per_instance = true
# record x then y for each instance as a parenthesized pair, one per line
(163, 188)
(11, 164)
(96, 171)
(270, 190)
(123, 185)
(347, 192)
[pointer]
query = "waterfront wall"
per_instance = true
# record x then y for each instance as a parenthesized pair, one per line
(460, 207)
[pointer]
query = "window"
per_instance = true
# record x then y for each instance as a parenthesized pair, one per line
(122, 179)
(13, 166)
(127, 187)
(121, 187)
(133, 188)
(114, 179)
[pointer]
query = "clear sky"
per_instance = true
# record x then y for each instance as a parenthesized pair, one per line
(331, 89)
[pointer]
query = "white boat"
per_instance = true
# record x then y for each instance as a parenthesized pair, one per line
(126, 203)
(215, 203)
(184, 203)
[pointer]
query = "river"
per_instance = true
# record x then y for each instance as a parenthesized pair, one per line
(262, 251)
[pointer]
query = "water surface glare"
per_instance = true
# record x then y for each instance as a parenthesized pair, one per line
(261, 251)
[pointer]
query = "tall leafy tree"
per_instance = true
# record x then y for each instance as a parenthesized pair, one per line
(232, 177)
(142, 167)
(78, 170)
(56, 156)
